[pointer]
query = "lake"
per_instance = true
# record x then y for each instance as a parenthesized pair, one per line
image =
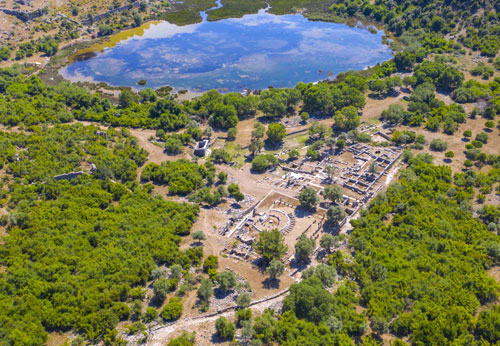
(255, 52)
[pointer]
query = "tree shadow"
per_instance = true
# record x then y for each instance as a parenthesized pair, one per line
(269, 283)
(465, 140)
(323, 204)
(447, 161)
(249, 158)
(295, 263)
(301, 212)
(219, 293)
(253, 171)
(270, 146)
(259, 263)
(327, 228)
(487, 129)
(215, 339)
(386, 126)
(374, 96)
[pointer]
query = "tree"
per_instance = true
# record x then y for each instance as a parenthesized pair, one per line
(373, 167)
(304, 116)
(238, 196)
(258, 130)
(328, 241)
(347, 119)
(318, 130)
(148, 95)
(207, 132)
(467, 133)
(293, 154)
(437, 24)
(325, 273)
(126, 98)
(482, 137)
(379, 325)
(262, 162)
(104, 30)
(312, 153)
(150, 315)
(333, 193)
(233, 188)
(137, 19)
(340, 144)
(224, 329)
(172, 310)
(157, 273)
(395, 114)
(334, 324)
(222, 176)
(449, 154)
(488, 325)
(223, 116)
(226, 280)
(449, 79)
(176, 271)
(185, 339)
(489, 124)
(211, 262)
(255, 146)
(334, 215)
(206, 291)
(160, 289)
(276, 132)
(330, 142)
(330, 171)
(173, 145)
(231, 134)
(275, 269)
(242, 316)
(199, 236)
(308, 198)
(304, 247)
(438, 145)
(271, 245)
(244, 300)
(378, 86)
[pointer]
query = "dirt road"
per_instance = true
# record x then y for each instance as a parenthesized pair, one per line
(160, 335)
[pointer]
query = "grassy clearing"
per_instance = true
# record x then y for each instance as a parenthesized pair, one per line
(237, 152)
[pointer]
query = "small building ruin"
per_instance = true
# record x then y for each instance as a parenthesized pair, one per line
(201, 148)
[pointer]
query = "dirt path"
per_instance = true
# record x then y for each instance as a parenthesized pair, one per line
(156, 154)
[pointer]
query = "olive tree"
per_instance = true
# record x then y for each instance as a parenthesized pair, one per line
(308, 198)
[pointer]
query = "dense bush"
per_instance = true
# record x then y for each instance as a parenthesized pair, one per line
(436, 252)
(264, 161)
(181, 176)
(172, 310)
(76, 246)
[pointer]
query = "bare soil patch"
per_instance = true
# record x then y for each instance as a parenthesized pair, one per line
(374, 107)
(456, 142)
(56, 339)
(494, 272)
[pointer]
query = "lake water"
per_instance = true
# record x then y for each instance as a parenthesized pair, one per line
(255, 52)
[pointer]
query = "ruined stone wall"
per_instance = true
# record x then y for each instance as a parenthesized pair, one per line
(25, 15)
